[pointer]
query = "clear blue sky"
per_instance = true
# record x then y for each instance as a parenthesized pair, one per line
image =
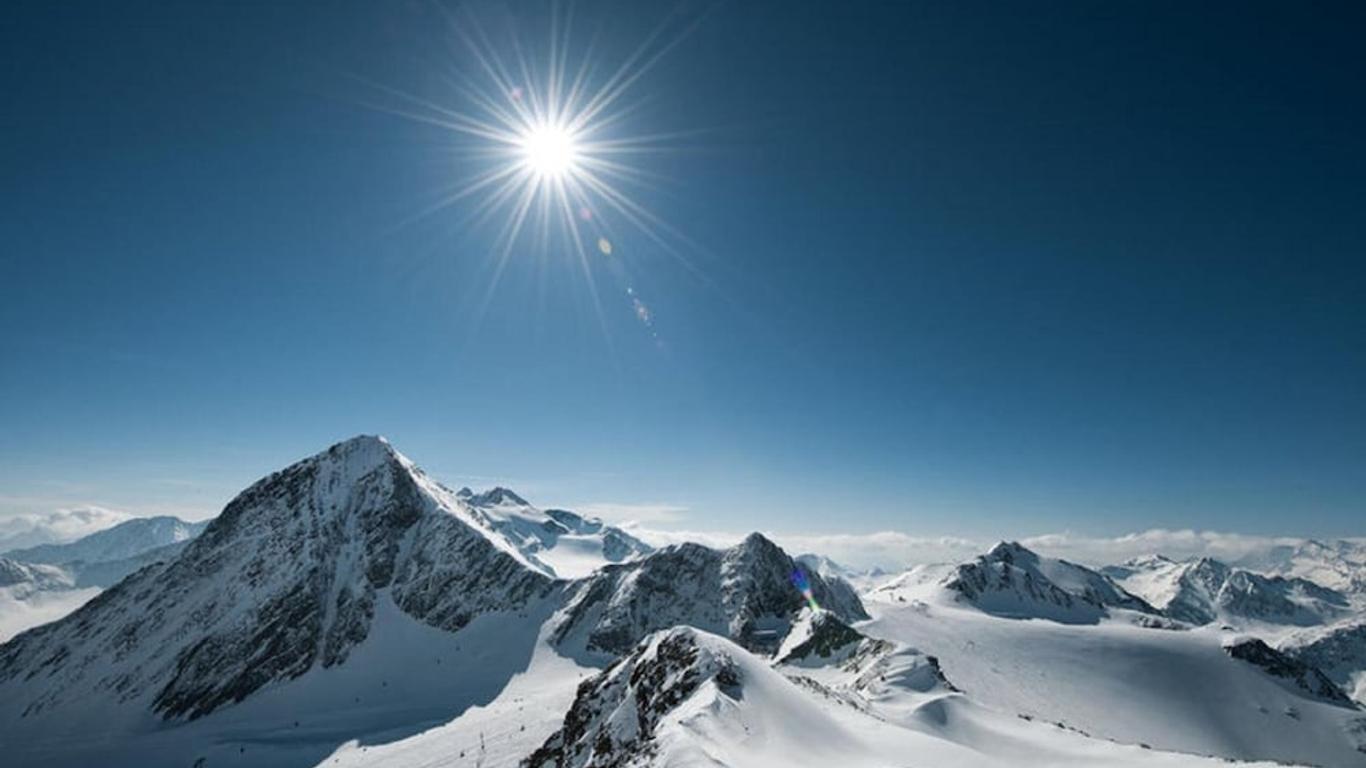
(961, 268)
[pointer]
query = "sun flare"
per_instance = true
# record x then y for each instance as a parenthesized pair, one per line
(549, 151)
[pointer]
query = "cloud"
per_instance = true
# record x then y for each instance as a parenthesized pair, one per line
(633, 514)
(27, 529)
(18, 614)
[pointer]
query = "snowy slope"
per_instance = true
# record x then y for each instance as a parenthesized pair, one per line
(687, 698)
(1205, 590)
(1173, 690)
(570, 546)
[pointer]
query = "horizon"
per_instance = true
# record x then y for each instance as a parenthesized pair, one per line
(935, 274)
(888, 550)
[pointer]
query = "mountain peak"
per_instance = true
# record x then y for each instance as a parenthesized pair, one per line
(757, 543)
(1010, 551)
(495, 496)
(371, 448)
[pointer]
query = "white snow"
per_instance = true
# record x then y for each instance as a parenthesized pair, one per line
(1174, 690)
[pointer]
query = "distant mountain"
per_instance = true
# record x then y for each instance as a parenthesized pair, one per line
(744, 593)
(831, 571)
(1013, 581)
(79, 568)
(55, 527)
(122, 541)
(568, 545)
(1205, 590)
(1338, 564)
(103, 558)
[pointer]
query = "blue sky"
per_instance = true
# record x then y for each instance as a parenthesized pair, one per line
(956, 268)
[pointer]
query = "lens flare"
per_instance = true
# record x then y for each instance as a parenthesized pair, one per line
(803, 585)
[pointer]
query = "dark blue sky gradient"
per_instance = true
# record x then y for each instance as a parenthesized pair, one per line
(960, 268)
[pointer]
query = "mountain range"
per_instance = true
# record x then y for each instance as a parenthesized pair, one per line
(351, 610)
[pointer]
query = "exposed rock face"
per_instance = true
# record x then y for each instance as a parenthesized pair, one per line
(1014, 581)
(284, 579)
(1304, 676)
(614, 716)
(744, 593)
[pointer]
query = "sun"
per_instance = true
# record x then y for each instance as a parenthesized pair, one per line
(546, 147)
(549, 151)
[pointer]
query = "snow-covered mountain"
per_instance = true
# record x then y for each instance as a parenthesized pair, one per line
(569, 545)
(55, 527)
(745, 593)
(285, 579)
(1338, 564)
(1012, 581)
(830, 571)
(1205, 590)
(125, 540)
(334, 557)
